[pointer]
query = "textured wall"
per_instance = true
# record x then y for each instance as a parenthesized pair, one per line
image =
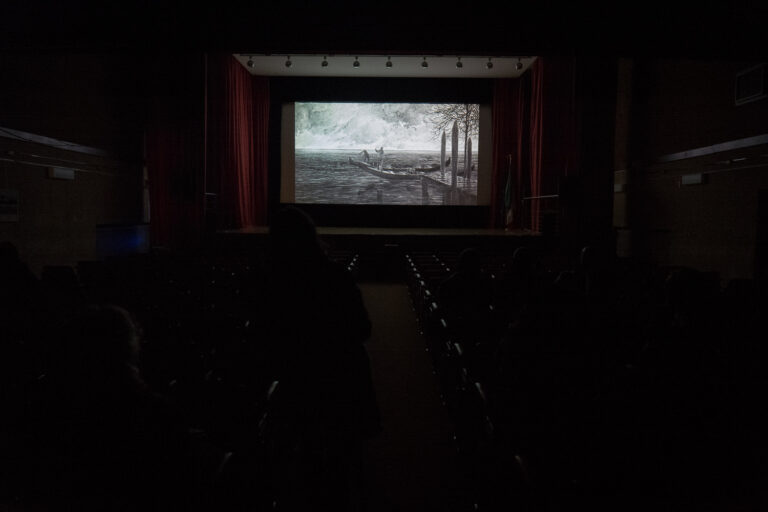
(681, 106)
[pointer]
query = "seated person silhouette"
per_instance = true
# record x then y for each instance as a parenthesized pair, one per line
(319, 326)
(23, 321)
(466, 295)
(594, 274)
(99, 439)
(22, 301)
(518, 283)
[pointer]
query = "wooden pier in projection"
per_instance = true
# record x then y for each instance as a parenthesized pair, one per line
(452, 193)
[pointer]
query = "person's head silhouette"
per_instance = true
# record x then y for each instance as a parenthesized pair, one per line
(8, 253)
(10, 262)
(99, 349)
(469, 261)
(294, 237)
(522, 259)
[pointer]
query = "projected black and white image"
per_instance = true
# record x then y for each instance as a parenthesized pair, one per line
(386, 153)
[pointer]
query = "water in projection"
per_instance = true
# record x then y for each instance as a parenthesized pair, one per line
(386, 153)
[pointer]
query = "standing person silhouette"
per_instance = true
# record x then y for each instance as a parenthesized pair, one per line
(319, 326)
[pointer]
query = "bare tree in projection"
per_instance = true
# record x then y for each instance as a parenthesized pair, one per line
(465, 115)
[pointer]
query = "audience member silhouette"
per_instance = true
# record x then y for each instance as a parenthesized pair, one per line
(22, 302)
(98, 438)
(466, 288)
(519, 282)
(319, 326)
(466, 295)
(692, 382)
(21, 331)
(594, 272)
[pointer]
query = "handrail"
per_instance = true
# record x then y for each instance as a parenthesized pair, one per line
(541, 197)
(541, 207)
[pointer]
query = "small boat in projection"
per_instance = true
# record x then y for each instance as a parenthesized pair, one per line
(427, 168)
(401, 174)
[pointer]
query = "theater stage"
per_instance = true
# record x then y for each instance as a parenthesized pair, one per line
(374, 239)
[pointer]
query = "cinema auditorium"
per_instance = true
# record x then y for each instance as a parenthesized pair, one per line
(455, 258)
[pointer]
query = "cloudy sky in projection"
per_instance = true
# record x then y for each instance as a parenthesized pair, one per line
(396, 126)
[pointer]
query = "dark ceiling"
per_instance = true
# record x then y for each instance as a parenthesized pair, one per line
(708, 29)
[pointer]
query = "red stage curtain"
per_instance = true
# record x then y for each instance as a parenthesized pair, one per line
(237, 122)
(553, 135)
(261, 102)
(509, 111)
(554, 149)
(536, 139)
(502, 106)
(174, 155)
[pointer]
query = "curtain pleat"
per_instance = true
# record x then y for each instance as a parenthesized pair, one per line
(536, 140)
(174, 155)
(238, 123)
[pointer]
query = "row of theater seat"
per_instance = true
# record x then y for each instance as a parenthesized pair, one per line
(494, 473)
(582, 398)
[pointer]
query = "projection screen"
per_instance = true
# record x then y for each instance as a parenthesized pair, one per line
(385, 153)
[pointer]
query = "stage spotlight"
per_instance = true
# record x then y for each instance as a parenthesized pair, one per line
(489, 64)
(389, 62)
(250, 62)
(519, 64)
(356, 63)
(425, 64)
(325, 62)
(288, 62)
(459, 64)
